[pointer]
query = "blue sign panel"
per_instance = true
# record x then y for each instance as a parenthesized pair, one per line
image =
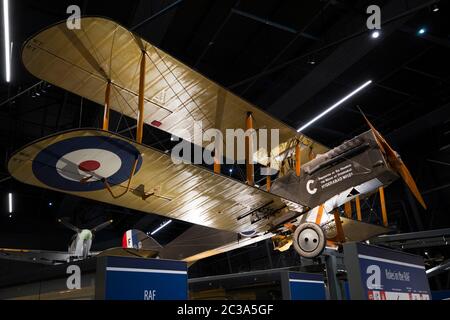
(441, 295)
(306, 286)
(144, 279)
(391, 275)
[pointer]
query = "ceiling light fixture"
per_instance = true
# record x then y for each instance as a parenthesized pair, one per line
(334, 106)
(435, 8)
(165, 224)
(422, 31)
(375, 34)
(10, 203)
(7, 40)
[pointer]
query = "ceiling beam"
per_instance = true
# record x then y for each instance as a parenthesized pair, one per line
(337, 62)
(274, 24)
(142, 23)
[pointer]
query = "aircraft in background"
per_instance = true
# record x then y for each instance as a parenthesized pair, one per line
(79, 248)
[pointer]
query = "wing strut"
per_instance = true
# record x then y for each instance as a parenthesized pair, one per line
(107, 104)
(340, 237)
(298, 159)
(383, 207)
(319, 214)
(248, 147)
(358, 209)
(348, 209)
(140, 122)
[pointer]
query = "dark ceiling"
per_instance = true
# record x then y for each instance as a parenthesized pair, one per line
(292, 58)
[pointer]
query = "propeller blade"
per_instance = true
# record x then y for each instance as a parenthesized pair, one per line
(101, 226)
(396, 163)
(69, 225)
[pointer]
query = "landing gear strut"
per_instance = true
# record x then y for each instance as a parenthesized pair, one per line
(309, 240)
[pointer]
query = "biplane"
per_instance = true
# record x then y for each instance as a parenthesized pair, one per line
(108, 64)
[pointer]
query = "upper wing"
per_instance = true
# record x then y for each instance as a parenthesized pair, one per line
(176, 97)
(34, 256)
(158, 185)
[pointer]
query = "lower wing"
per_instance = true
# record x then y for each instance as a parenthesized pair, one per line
(35, 256)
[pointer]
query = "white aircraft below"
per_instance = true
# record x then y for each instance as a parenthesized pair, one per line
(79, 248)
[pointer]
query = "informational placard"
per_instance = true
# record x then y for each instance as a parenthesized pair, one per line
(306, 286)
(125, 278)
(376, 273)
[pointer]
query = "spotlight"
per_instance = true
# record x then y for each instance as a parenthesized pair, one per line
(50, 204)
(165, 224)
(435, 8)
(231, 170)
(375, 34)
(422, 31)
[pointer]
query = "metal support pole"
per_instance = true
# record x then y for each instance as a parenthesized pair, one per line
(140, 121)
(334, 290)
(106, 112)
(269, 254)
(248, 146)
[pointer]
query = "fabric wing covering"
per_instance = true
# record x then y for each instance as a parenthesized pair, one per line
(179, 191)
(176, 97)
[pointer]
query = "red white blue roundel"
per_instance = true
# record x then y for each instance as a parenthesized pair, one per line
(82, 163)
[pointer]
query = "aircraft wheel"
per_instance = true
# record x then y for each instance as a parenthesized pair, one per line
(309, 240)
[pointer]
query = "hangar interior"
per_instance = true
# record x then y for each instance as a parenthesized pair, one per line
(292, 59)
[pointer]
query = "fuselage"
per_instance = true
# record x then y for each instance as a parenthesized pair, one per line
(81, 243)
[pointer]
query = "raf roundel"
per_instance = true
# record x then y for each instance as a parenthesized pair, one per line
(84, 163)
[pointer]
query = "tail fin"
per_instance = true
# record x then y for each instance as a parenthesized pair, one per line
(136, 239)
(396, 163)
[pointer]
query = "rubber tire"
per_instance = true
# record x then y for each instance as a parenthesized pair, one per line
(322, 241)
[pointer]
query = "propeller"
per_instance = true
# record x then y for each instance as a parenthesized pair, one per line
(101, 226)
(69, 225)
(396, 163)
